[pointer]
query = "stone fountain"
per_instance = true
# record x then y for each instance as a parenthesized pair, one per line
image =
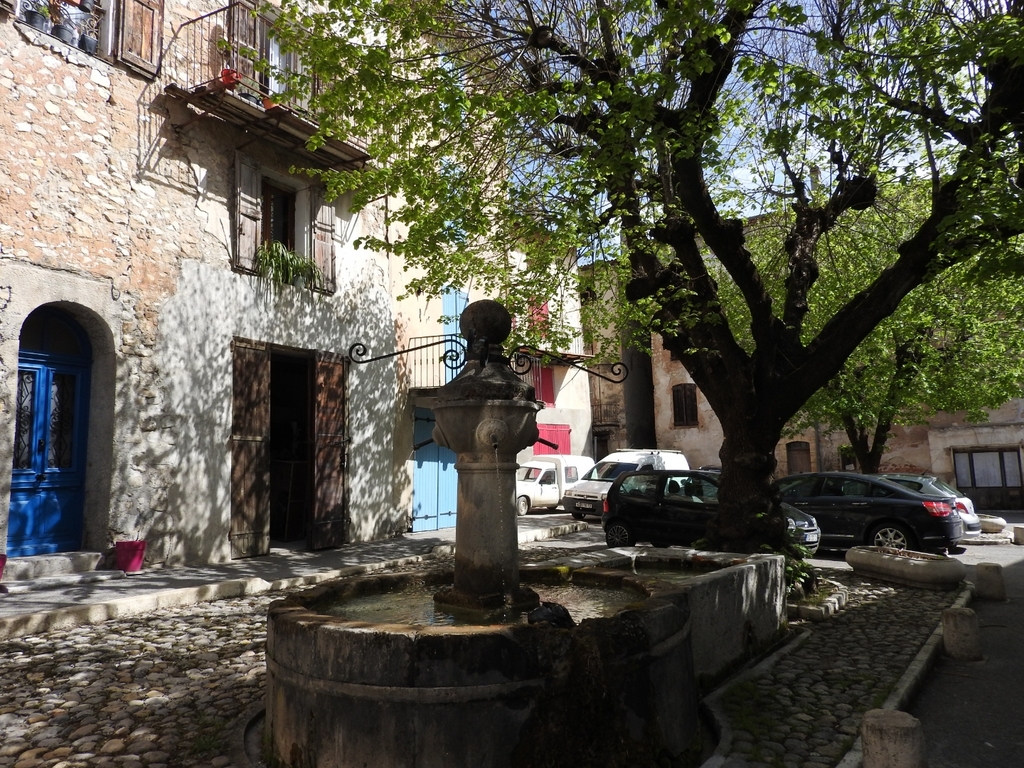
(616, 690)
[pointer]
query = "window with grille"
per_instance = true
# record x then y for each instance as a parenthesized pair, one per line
(684, 405)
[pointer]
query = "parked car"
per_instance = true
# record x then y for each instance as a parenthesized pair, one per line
(673, 507)
(929, 484)
(543, 480)
(588, 497)
(854, 509)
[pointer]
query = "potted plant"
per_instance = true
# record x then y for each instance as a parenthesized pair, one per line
(276, 262)
(89, 38)
(37, 15)
(61, 25)
(129, 554)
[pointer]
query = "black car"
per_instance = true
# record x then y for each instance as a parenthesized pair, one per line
(857, 509)
(673, 507)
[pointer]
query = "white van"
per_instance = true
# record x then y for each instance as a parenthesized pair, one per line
(542, 481)
(588, 497)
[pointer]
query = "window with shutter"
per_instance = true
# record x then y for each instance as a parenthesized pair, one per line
(544, 385)
(248, 211)
(141, 34)
(684, 405)
(323, 238)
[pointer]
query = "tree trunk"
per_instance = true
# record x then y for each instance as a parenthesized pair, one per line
(749, 516)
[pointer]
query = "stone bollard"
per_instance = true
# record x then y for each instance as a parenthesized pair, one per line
(892, 739)
(1018, 534)
(988, 581)
(960, 634)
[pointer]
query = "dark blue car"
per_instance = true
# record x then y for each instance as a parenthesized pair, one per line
(857, 510)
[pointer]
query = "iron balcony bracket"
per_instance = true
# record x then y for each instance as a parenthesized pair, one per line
(454, 357)
(521, 363)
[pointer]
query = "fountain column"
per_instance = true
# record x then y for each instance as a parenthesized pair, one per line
(486, 415)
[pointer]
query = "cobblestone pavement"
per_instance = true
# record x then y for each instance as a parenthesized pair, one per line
(805, 711)
(161, 690)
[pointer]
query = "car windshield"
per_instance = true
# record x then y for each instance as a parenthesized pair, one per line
(609, 470)
(528, 473)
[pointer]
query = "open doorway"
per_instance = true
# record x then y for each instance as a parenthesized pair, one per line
(291, 421)
(288, 448)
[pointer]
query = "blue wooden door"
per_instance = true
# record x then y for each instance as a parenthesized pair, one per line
(434, 480)
(453, 302)
(48, 474)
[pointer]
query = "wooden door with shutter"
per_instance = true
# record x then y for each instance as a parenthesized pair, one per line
(250, 457)
(330, 449)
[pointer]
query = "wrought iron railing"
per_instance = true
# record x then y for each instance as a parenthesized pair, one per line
(232, 48)
(433, 361)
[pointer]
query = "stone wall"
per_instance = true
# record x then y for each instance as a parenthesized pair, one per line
(116, 204)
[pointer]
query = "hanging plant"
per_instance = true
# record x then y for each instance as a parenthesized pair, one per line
(277, 262)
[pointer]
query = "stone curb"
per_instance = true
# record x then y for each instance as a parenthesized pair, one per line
(987, 540)
(910, 683)
(97, 613)
(711, 704)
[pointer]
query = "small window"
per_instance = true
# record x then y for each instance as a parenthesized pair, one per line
(571, 474)
(684, 405)
(548, 478)
(278, 214)
(880, 491)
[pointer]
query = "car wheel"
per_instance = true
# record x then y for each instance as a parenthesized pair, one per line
(522, 506)
(578, 515)
(618, 534)
(891, 535)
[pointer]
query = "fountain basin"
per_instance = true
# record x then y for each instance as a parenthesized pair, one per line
(618, 690)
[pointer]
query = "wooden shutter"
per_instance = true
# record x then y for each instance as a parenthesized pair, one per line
(684, 405)
(242, 33)
(141, 34)
(559, 434)
(250, 458)
(248, 211)
(330, 448)
(323, 238)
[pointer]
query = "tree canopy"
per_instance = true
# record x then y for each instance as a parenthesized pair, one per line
(955, 343)
(648, 132)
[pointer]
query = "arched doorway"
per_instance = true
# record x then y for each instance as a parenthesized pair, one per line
(51, 423)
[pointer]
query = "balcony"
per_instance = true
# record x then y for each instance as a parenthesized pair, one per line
(213, 65)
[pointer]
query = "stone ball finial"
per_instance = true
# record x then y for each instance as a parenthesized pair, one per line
(486, 319)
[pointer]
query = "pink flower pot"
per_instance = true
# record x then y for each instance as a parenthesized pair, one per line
(130, 555)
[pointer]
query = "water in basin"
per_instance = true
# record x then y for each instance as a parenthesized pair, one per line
(414, 604)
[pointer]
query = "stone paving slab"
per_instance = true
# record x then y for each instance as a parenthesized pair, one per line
(163, 687)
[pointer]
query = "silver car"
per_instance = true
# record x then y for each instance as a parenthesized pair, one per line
(932, 485)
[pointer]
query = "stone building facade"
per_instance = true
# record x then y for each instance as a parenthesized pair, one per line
(151, 386)
(983, 460)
